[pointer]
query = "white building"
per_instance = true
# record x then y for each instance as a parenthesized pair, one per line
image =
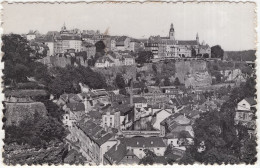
(104, 62)
(31, 35)
(137, 145)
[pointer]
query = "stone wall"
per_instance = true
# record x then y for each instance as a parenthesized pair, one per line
(17, 112)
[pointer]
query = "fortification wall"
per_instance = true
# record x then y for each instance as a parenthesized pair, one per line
(17, 112)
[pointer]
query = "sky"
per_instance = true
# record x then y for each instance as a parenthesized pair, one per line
(231, 25)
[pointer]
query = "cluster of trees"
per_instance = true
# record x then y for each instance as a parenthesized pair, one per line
(217, 139)
(37, 132)
(217, 52)
(18, 58)
(247, 55)
(67, 79)
(144, 57)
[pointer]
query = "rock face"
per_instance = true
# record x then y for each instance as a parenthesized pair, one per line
(17, 112)
(109, 73)
(184, 68)
(199, 79)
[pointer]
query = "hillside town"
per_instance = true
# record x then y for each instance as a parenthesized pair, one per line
(122, 100)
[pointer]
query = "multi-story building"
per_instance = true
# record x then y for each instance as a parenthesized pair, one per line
(119, 117)
(92, 140)
(245, 113)
(169, 47)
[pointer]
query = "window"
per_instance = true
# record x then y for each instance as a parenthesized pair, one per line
(158, 148)
(140, 149)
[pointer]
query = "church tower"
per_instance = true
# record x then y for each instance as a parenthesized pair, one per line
(197, 39)
(171, 33)
(63, 28)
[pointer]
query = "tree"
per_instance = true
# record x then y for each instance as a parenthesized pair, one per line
(176, 82)
(36, 132)
(144, 57)
(120, 82)
(17, 56)
(193, 52)
(167, 81)
(68, 80)
(206, 55)
(217, 52)
(149, 157)
(154, 68)
(100, 46)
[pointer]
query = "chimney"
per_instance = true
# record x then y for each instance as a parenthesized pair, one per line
(86, 104)
(117, 144)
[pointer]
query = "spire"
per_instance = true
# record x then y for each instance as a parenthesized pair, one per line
(172, 29)
(63, 27)
(197, 38)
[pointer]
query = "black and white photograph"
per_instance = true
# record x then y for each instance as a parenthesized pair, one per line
(114, 83)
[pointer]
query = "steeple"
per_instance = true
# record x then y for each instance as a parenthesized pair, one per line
(197, 38)
(63, 27)
(171, 33)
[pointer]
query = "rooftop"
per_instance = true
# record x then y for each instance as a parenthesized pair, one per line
(251, 100)
(94, 131)
(116, 153)
(144, 142)
(76, 106)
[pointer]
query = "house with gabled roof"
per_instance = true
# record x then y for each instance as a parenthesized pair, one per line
(245, 113)
(137, 145)
(119, 154)
(122, 43)
(104, 62)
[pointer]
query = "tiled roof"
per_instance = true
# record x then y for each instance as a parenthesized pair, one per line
(175, 120)
(104, 59)
(144, 142)
(187, 42)
(123, 108)
(76, 106)
(95, 114)
(189, 112)
(122, 38)
(94, 131)
(116, 153)
(70, 38)
(178, 134)
(251, 100)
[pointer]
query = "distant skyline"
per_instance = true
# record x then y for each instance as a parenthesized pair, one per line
(231, 25)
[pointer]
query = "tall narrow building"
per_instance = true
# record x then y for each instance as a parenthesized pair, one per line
(171, 33)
